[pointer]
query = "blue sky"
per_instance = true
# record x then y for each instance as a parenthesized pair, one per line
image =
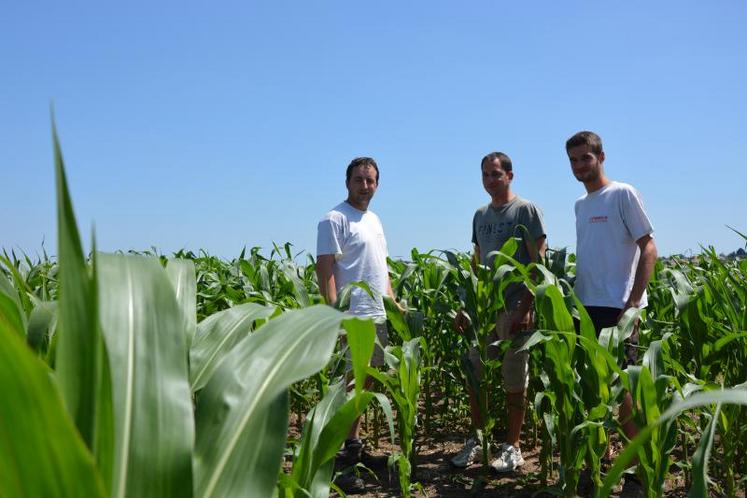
(222, 125)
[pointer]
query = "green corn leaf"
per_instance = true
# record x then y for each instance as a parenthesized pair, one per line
(303, 475)
(41, 452)
(360, 338)
(80, 356)
(216, 337)
(42, 322)
(24, 292)
(336, 429)
(395, 317)
(143, 328)
(12, 315)
(300, 293)
(702, 455)
(181, 273)
(737, 396)
(237, 453)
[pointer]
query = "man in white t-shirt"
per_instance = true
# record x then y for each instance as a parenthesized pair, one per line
(615, 249)
(351, 247)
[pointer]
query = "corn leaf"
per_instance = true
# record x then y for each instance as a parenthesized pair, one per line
(360, 338)
(143, 329)
(42, 321)
(181, 273)
(240, 434)
(11, 312)
(80, 357)
(41, 452)
(700, 458)
(737, 396)
(217, 335)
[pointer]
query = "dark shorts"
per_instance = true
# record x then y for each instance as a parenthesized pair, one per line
(604, 317)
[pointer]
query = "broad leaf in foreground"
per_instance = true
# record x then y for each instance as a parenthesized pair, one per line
(79, 355)
(41, 452)
(241, 432)
(217, 335)
(181, 273)
(143, 329)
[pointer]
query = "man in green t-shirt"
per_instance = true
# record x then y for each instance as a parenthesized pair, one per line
(492, 225)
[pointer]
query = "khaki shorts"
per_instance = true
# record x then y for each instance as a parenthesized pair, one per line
(377, 359)
(515, 366)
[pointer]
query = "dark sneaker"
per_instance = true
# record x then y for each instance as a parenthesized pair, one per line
(374, 461)
(632, 487)
(350, 454)
(585, 487)
(351, 484)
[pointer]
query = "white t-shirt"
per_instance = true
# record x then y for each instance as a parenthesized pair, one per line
(356, 238)
(609, 221)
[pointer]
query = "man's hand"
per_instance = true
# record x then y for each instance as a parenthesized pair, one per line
(629, 304)
(402, 309)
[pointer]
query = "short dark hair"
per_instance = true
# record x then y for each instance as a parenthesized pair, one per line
(585, 138)
(361, 161)
(503, 160)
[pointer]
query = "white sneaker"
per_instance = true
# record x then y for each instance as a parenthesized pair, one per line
(470, 453)
(508, 460)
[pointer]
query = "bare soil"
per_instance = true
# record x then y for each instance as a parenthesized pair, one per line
(439, 479)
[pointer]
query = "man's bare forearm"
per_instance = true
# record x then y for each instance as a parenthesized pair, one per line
(326, 278)
(643, 272)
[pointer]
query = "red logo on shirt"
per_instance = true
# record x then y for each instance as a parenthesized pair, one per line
(598, 219)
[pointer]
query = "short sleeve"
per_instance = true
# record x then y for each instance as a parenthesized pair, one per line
(634, 215)
(329, 237)
(534, 222)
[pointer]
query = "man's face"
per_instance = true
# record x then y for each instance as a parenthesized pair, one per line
(586, 165)
(361, 186)
(495, 180)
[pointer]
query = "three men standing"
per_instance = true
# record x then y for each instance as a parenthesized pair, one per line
(615, 249)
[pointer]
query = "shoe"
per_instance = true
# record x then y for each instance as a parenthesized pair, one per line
(374, 461)
(353, 453)
(351, 484)
(350, 454)
(585, 486)
(470, 453)
(508, 460)
(632, 487)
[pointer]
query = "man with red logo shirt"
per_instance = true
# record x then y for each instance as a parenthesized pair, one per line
(615, 249)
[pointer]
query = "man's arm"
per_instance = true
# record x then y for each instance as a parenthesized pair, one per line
(326, 277)
(643, 271)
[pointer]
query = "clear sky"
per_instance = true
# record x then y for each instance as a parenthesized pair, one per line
(218, 125)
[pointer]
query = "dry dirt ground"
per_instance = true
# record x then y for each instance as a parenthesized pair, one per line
(439, 479)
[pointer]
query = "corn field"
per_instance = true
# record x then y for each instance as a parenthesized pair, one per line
(141, 375)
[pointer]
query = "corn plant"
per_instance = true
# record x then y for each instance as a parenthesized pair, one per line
(328, 423)
(578, 367)
(403, 385)
(119, 402)
(733, 396)
(425, 284)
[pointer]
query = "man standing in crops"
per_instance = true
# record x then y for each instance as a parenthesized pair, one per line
(351, 247)
(615, 249)
(506, 216)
